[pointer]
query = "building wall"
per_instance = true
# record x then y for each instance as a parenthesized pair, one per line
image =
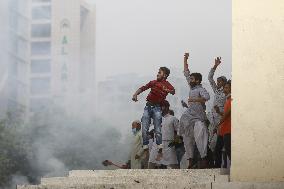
(65, 33)
(258, 100)
(14, 55)
(40, 55)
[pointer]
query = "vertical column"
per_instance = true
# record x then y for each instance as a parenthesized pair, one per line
(258, 100)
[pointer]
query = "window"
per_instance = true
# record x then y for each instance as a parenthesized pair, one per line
(40, 48)
(40, 66)
(41, 13)
(40, 85)
(41, 30)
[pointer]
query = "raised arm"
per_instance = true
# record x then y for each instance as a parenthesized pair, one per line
(211, 74)
(186, 69)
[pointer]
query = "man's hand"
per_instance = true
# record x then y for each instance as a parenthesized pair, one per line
(217, 109)
(217, 62)
(137, 156)
(201, 100)
(186, 56)
(124, 166)
(135, 98)
(191, 100)
(183, 103)
(185, 63)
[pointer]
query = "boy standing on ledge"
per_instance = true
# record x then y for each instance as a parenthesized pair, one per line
(160, 88)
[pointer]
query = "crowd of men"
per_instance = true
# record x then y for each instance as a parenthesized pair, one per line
(191, 135)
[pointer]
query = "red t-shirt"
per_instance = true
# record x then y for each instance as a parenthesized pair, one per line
(225, 127)
(157, 94)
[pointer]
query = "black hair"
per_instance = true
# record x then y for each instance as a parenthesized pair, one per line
(171, 112)
(166, 70)
(166, 104)
(229, 82)
(223, 78)
(197, 76)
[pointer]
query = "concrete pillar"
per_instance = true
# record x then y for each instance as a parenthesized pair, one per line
(258, 93)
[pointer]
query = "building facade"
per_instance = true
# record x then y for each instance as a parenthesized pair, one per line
(62, 52)
(50, 57)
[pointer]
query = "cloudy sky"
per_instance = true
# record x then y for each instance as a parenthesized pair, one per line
(141, 35)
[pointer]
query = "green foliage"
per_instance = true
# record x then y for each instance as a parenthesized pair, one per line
(13, 154)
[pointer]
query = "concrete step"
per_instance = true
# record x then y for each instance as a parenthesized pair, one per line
(121, 186)
(146, 179)
(138, 172)
(228, 185)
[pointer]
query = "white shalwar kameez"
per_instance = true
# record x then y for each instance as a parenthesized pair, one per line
(136, 149)
(169, 126)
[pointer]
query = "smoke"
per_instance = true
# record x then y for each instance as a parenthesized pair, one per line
(83, 128)
(60, 134)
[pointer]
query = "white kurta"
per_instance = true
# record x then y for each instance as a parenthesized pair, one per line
(136, 149)
(169, 126)
(199, 136)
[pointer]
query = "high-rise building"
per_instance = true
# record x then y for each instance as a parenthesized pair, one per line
(47, 55)
(14, 58)
(62, 59)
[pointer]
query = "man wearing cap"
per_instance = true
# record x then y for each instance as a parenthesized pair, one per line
(218, 106)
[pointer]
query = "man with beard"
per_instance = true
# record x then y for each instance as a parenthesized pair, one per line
(192, 122)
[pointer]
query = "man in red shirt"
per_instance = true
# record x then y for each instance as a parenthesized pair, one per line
(160, 88)
(225, 123)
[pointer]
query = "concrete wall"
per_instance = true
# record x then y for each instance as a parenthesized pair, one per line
(258, 99)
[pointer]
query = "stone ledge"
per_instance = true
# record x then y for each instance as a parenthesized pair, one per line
(126, 172)
(230, 185)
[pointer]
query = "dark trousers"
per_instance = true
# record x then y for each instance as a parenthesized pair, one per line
(224, 141)
(227, 143)
(180, 151)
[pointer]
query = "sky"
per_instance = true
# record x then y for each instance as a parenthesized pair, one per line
(135, 36)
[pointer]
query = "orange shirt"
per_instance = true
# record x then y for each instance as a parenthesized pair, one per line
(225, 127)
